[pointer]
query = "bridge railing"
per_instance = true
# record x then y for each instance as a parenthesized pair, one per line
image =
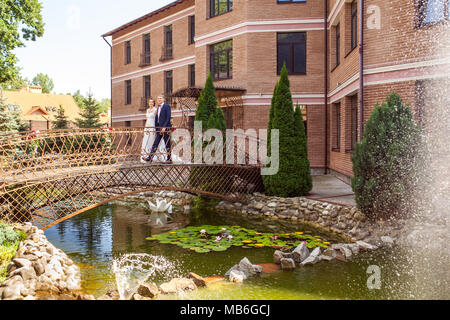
(36, 154)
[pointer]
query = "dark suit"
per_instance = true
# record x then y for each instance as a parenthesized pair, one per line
(162, 121)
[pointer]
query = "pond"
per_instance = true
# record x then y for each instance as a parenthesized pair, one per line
(97, 237)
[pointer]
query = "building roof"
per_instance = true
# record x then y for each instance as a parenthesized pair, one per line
(149, 15)
(41, 106)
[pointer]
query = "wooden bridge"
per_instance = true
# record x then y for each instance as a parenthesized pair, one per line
(47, 177)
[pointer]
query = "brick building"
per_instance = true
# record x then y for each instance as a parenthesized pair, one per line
(244, 43)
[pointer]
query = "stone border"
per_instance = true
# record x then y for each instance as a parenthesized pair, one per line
(39, 270)
(348, 223)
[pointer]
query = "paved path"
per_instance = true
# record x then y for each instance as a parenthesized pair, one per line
(330, 189)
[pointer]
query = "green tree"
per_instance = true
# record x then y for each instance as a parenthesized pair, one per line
(387, 162)
(16, 83)
(61, 120)
(79, 99)
(293, 177)
(90, 115)
(304, 178)
(44, 81)
(10, 120)
(207, 103)
(20, 20)
(105, 105)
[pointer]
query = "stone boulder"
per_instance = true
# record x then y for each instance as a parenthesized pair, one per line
(148, 290)
(237, 276)
(301, 253)
(198, 280)
(366, 246)
(313, 258)
(287, 264)
(278, 255)
(177, 285)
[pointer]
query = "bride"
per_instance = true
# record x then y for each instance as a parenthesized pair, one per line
(150, 134)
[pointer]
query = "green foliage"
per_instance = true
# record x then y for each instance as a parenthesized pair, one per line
(104, 105)
(20, 20)
(10, 120)
(44, 81)
(9, 242)
(204, 239)
(293, 178)
(16, 83)
(90, 114)
(207, 103)
(387, 162)
(212, 117)
(61, 121)
(7, 235)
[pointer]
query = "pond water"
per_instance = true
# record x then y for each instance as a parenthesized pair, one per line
(96, 238)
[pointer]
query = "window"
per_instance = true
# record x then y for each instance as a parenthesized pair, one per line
(127, 52)
(221, 60)
(218, 7)
(354, 26)
(338, 44)
(336, 133)
(191, 29)
(145, 57)
(167, 52)
(168, 85)
(433, 11)
(291, 49)
(192, 75)
(147, 87)
(354, 122)
(127, 92)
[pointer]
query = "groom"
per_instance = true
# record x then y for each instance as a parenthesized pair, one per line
(163, 125)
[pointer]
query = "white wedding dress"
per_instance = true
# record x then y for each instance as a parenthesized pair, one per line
(149, 139)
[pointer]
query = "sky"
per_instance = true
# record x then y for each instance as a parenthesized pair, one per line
(72, 51)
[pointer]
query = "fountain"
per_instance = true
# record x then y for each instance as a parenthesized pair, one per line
(131, 270)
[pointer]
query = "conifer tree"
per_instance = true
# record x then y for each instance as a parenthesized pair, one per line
(386, 163)
(90, 114)
(61, 120)
(293, 176)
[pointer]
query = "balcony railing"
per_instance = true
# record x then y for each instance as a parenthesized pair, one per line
(145, 59)
(167, 53)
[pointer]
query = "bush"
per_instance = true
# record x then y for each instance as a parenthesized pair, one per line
(387, 162)
(7, 235)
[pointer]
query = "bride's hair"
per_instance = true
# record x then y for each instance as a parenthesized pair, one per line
(148, 100)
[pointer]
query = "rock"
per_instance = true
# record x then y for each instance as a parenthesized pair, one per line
(313, 258)
(13, 291)
(326, 258)
(27, 273)
(235, 267)
(176, 285)
(38, 267)
(237, 276)
(330, 253)
(104, 297)
(300, 253)
(20, 263)
(366, 246)
(272, 205)
(137, 296)
(247, 267)
(387, 240)
(287, 264)
(148, 290)
(198, 280)
(278, 255)
(114, 294)
(258, 205)
(354, 247)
